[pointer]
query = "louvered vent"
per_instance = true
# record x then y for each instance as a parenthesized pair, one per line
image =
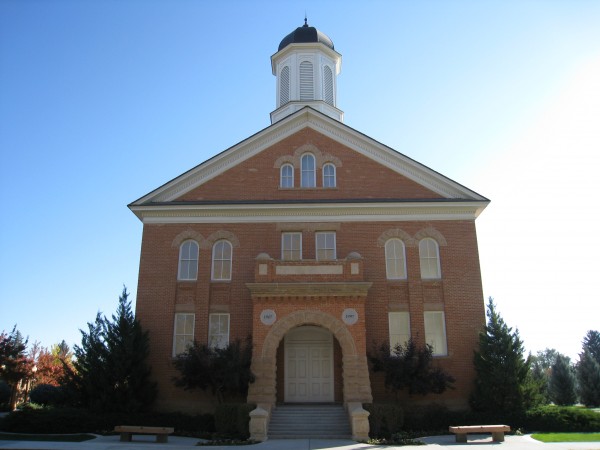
(328, 85)
(284, 86)
(306, 81)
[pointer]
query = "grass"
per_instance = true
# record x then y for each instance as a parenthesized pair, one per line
(46, 437)
(567, 437)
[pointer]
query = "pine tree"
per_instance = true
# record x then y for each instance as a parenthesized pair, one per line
(588, 370)
(110, 369)
(504, 383)
(562, 382)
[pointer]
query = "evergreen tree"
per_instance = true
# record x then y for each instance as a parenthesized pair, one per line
(591, 343)
(588, 370)
(111, 373)
(504, 383)
(562, 382)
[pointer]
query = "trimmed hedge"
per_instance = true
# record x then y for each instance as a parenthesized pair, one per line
(436, 419)
(73, 420)
(385, 419)
(562, 419)
(233, 420)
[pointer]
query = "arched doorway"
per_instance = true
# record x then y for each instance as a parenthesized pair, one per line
(308, 365)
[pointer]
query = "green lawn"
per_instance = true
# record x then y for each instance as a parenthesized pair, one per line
(46, 437)
(567, 437)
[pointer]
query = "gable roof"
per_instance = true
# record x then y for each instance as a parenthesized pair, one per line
(167, 194)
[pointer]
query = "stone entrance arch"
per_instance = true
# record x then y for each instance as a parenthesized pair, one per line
(355, 373)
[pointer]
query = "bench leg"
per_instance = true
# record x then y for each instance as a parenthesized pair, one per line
(498, 436)
(461, 437)
(125, 437)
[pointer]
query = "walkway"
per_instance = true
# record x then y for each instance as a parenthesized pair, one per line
(475, 442)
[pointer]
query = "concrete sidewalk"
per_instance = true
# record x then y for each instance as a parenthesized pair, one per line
(475, 442)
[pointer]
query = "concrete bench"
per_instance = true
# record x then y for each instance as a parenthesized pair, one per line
(496, 430)
(162, 433)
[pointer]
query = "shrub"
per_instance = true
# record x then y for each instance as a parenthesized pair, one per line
(74, 420)
(385, 419)
(46, 394)
(232, 419)
(562, 419)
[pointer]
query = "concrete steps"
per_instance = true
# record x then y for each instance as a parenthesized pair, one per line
(302, 421)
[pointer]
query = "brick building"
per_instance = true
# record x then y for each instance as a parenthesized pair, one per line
(318, 241)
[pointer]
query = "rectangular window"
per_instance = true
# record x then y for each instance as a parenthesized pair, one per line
(218, 330)
(435, 332)
(291, 246)
(325, 242)
(399, 323)
(183, 336)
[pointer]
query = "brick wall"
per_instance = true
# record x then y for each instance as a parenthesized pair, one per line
(458, 293)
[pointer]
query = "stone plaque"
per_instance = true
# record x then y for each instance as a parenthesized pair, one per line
(350, 316)
(268, 317)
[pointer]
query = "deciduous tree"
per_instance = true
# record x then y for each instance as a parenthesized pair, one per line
(223, 371)
(411, 368)
(15, 364)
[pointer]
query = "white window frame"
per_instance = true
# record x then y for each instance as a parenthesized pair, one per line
(329, 179)
(429, 259)
(289, 252)
(286, 180)
(187, 269)
(218, 337)
(395, 259)
(435, 332)
(399, 328)
(221, 263)
(308, 175)
(183, 332)
(325, 249)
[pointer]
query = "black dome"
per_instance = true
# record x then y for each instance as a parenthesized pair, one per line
(305, 34)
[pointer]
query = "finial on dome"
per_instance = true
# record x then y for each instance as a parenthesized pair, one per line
(305, 21)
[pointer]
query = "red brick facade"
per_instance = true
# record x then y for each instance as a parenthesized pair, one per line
(379, 195)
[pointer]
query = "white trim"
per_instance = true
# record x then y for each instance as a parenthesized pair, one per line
(325, 212)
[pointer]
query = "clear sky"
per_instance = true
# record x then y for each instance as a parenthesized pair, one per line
(103, 101)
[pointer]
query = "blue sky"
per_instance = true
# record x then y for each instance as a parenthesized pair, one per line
(103, 101)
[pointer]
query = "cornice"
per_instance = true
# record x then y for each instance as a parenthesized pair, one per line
(329, 212)
(344, 289)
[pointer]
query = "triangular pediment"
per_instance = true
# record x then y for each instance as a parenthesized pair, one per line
(434, 186)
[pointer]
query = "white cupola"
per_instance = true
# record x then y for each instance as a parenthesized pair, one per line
(306, 66)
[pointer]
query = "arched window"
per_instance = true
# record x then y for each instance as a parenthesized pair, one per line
(429, 256)
(221, 261)
(188, 261)
(307, 91)
(284, 86)
(286, 176)
(328, 85)
(328, 175)
(308, 171)
(395, 259)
